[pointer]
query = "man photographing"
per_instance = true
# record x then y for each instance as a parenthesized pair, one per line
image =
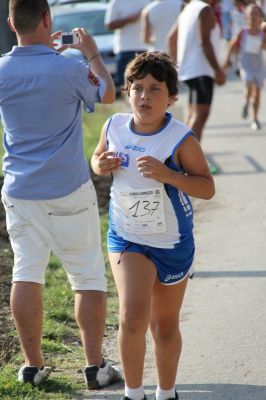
(48, 194)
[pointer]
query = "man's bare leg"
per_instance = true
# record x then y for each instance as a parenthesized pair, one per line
(27, 310)
(90, 312)
(199, 118)
(188, 114)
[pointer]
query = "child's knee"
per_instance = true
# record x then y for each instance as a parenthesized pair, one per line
(165, 329)
(133, 321)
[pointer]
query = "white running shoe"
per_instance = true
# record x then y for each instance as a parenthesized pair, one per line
(33, 375)
(255, 126)
(97, 378)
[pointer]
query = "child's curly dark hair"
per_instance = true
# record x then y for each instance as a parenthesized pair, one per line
(155, 63)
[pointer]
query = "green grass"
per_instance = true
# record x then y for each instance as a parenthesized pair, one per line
(61, 341)
(61, 345)
(93, 123)
(59, 388)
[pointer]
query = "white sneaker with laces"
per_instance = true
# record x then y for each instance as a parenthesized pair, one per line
(97, 378)
(33, 375)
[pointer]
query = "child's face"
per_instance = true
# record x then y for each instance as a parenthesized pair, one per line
(149, 100)
(254, 17)
(239, 5)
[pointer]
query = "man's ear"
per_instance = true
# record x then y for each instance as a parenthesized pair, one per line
(46, 19)
(10, 25)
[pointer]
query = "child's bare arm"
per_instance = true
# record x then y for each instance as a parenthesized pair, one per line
(104, 162)
(263, 27)
(197, 182)
(233, 45)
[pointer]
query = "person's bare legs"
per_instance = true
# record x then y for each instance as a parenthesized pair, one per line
(256, 102)
(27, 310)
(247, 96)
(164, 325)
(188, 115)
(198, 118)
(90, 312)
(134, 277)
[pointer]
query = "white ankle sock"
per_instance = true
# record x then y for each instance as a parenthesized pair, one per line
(134, 394)
(165, 394)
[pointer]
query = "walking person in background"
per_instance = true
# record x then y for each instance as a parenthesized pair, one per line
(238, 17)
(157, 17)
(194, 42)
(48, 194)
(124, 17)
(262, 4)
(156, 163)
(251, 41)
(226, 7)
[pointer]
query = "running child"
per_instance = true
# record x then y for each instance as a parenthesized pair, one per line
(156, 163)
(251, 41)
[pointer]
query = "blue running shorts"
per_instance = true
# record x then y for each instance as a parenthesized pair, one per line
(172, 265)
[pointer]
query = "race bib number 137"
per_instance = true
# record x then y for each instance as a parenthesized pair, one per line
(144, 211)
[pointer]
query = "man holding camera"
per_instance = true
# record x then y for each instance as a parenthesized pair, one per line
(48, 194)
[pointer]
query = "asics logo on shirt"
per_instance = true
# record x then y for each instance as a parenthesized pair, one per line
(124, 158)
(135, 148)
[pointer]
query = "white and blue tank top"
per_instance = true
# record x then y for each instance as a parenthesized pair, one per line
(143, 210)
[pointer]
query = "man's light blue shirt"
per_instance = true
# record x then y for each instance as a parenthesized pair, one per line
(41, 97)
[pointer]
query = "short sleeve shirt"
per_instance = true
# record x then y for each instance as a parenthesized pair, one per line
(41, 98)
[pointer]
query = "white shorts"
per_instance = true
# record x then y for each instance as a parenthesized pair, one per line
(69, 226)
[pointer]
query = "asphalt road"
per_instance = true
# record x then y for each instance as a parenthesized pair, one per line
(224, 326)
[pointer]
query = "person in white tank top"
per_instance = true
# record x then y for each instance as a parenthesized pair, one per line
(156, 163)
(193, 41)
(156, 19)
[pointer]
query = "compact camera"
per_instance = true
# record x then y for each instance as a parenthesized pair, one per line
(70, 38)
